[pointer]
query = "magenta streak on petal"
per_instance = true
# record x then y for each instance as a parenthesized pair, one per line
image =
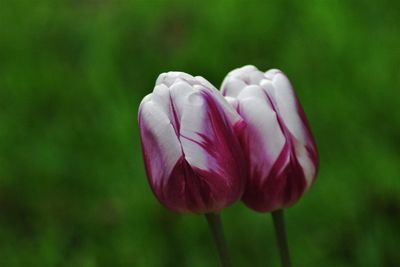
(286, 181)
(175, 123)
(310, 144)
(225, 148)
(190, 189)
(185, 190)
(281, 188)
(293, 172)
(296, 174)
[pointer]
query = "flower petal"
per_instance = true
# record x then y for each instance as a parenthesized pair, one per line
(281, 91)
(294, 122)
(264, 137)
(160, 145)
(232, 87)
(211, 147)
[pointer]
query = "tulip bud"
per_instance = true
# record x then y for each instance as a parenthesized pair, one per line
(280, 150)
(190, 143)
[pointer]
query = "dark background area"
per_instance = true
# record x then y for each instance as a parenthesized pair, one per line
(72, 73)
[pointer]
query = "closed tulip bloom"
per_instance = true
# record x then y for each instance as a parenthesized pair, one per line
(190, 143)
(280, 150)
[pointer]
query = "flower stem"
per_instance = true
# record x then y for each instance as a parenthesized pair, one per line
(280, 234)
(214, 222)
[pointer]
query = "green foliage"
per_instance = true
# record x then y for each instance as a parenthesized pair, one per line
(72, 73)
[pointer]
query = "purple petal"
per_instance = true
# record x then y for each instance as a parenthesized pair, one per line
(293, 121)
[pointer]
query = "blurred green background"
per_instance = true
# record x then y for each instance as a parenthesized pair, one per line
(72, 186)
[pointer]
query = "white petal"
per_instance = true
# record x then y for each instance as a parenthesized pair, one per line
(161, 98)
(255, 77)
(285, 99)
(193, 122)
(253, 91)
(232, 87)
(145, 99)
(306, 163)
(180, 91)
(160, 144)
(270, 74)
(232, 101)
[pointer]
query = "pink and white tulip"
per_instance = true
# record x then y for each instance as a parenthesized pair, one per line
(280, 150)
(190, 142)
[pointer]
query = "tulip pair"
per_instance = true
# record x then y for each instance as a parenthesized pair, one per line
(204, 149)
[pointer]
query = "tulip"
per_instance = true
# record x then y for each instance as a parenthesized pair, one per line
(277, 142)
(190, 143)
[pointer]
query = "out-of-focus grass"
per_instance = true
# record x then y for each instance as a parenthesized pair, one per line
(72, 73)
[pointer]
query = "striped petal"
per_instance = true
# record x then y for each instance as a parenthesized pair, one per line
(264, 137)
(160, 144)
(285, 102)
(211, 148)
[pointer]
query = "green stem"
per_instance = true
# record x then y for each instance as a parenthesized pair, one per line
(279, 225)
(214, 222)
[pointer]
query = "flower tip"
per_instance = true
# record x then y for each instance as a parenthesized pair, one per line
(242, 70)
(168, 78)
(272, 73)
